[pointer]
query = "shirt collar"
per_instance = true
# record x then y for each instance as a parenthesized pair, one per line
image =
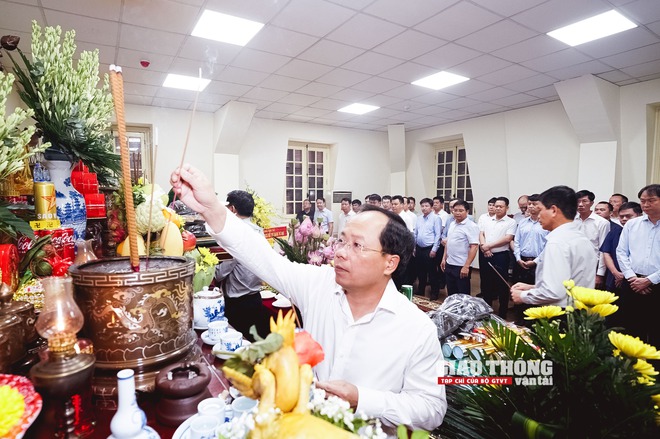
(388, 301)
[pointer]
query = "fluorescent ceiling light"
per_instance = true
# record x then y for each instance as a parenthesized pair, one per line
(226, 28)
(186, 82)
(440, 80)
(598, 26)
(358, 108)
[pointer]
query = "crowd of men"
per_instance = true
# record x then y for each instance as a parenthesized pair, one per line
(525, 256)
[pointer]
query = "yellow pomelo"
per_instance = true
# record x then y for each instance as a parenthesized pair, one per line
(171, 241)
(124, 248)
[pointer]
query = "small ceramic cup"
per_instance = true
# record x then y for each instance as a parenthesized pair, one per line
(242, 404)
(212, 407)
(217, 329)
(231, 341)
(204, 427)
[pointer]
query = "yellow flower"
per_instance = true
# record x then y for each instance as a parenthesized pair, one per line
(645, 379)
(604, 309)
(568, 284)
(656, 399)
(591, 297)
(12, 407)
(569, 308)
(633, 346)
(543, 312)
(645, 368)
(579, 305)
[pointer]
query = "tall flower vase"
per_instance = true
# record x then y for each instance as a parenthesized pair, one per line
(130, 421)
(71, 209)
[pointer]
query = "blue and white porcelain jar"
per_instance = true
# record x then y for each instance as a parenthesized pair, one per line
(71, 209)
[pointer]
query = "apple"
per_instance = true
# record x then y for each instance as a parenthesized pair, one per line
(189, 241)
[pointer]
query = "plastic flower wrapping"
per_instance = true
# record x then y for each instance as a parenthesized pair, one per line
(306, 244)
(603, 383)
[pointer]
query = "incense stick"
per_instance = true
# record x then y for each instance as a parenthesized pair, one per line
(153, 187)
(117, 89)
(499, 275)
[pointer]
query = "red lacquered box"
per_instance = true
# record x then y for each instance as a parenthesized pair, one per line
(95, 205)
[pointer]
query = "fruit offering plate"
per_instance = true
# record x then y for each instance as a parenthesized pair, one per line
(31, 398)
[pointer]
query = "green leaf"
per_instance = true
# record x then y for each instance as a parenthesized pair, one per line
(12, 225)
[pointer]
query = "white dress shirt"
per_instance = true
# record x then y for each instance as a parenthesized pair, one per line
(410, 219)
(459, 238)
(392, 355)
(567, 255)
(495, 229)
(596, 229)
(638, 251)
(343, 219)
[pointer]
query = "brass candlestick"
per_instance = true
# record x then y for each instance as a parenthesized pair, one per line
(66, 372)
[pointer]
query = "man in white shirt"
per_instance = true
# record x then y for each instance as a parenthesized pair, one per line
(595, 229)
(461, 249)
(398, 204)
(387, 202)
(325, 215)
(382, 353)
(345, 215)
(567, 253)
(523, 203)
(638, 254)
(408, 214)
(494, 238)
(439, 211)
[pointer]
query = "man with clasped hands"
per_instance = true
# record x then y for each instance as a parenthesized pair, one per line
(382, 353)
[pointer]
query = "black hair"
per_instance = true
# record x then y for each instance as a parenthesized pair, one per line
(411, 199)
(375, 197)
(346, 199)
(651, 189)
(492, 200)
(397, 197)
(623, 197)
(636, 207)
(242, 201)
(395, 239)
(463, 203)
(320, 198)
(387, 197)
(533, 197)
(563, 197)
(609, 205)
(356, 201)
(440, 198)
(425, 200)
(505, 199)
(585, 193)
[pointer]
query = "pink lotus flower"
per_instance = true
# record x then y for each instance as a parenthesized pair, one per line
(306, 227)
(315, 257)
(329, 252)
(316, 232)
(299, 236)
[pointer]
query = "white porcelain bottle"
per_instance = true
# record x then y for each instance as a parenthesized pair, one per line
(129, 422)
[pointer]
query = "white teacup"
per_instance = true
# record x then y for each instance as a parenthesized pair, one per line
(231, 341)
(217, 329)
(212, 407)
(242, 404)
(204, 427)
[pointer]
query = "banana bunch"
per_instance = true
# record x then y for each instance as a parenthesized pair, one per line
(281, 382)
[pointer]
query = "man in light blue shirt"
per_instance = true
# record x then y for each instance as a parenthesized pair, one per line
(427, 240)
(529, 242)
(638, 254)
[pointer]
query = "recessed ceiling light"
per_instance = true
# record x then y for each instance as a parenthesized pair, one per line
(598, 26)
(358, 108)
(186, 82)
(226, 28)
(440, 80)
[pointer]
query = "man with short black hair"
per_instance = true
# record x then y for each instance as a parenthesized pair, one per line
(616, 200)
(375, 200)
(306, 212)
(398, 204)
(345, 215)
(411, 205)
(349, 309)
(461, 249)
(594, 227)
(614, 277)
(604, 210)
(324, 215)
(427, 240)
(243, 305)
(639, 258)
(356, 205)
(494, 238)
(567, 253)
(387, 202)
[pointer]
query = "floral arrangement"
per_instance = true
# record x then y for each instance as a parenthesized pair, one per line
(263, 210)
(13, 153)
(71, 111)
(306, 244)
(205, 263)
(602, 382)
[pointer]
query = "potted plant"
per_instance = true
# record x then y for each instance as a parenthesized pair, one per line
(71, 111)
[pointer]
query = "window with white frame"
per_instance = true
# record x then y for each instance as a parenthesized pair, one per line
(306, 171)
(452, 173)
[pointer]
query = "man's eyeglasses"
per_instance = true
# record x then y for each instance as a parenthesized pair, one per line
(354, 247)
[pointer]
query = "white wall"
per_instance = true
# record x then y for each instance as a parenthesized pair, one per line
(520, 151)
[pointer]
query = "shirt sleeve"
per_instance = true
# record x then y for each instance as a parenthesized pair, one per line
(422, 402)
(623, 254)
(549, 287)
(516, 244)
(437, 233)
(511, 229)
(223, 269)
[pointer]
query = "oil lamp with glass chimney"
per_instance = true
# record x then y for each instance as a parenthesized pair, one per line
(66, 371)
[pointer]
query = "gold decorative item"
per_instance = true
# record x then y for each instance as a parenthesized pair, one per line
(66, 372)
(136, 320)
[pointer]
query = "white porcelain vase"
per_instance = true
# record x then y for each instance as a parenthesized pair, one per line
(71, 209)
(129, 422)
